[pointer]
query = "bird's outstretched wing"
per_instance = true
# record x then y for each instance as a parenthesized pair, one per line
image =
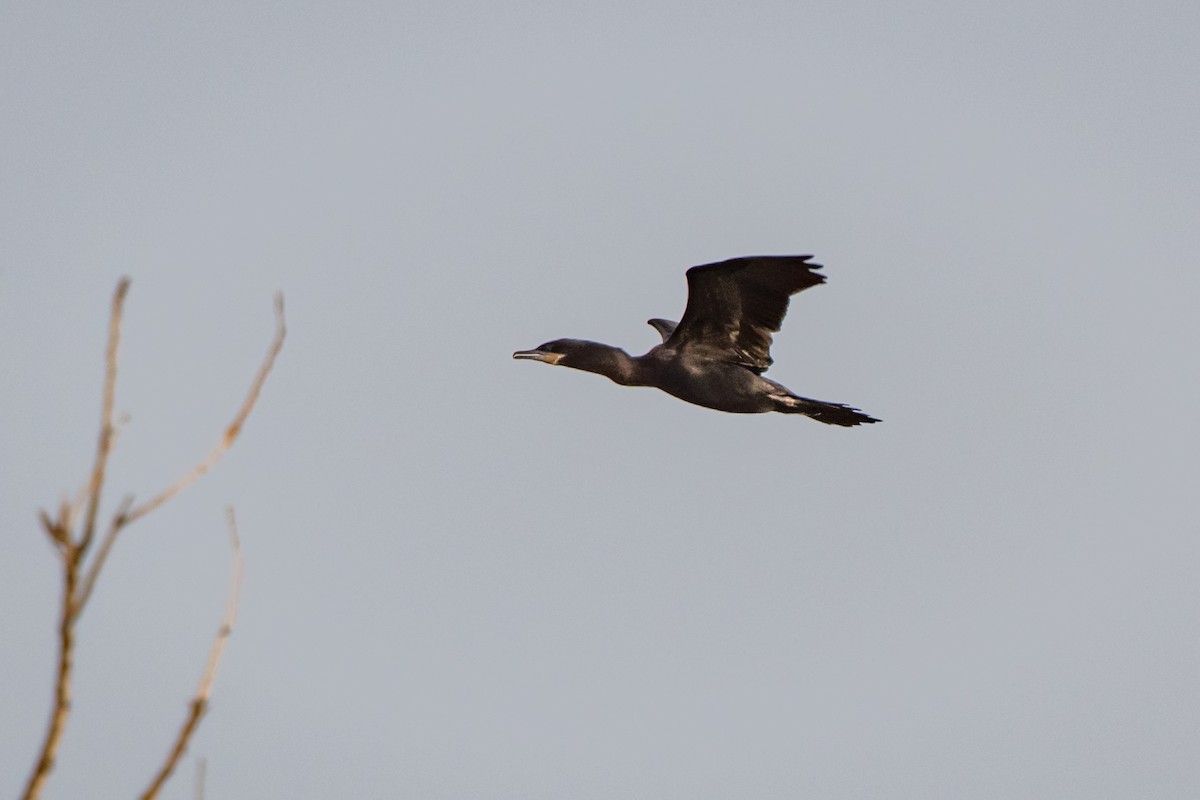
(734, 306)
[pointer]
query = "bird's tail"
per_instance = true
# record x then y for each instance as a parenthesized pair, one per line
(829, 413)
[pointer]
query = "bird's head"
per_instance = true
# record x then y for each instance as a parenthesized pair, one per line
(601, 359)
(562, 352)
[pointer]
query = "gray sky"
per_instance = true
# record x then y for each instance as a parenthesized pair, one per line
(469, 577)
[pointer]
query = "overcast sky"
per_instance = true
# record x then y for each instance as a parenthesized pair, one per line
(469, 577)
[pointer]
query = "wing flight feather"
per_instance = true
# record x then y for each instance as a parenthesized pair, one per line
(734, 306)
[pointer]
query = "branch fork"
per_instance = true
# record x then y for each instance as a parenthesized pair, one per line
(73, 539)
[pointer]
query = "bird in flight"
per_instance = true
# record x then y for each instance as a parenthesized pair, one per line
(716, 354)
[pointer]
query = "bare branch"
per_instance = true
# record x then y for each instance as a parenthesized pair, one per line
(73, 552)
(107, 427)
(231, 433)
(78, 583)
(62, 680)
(199, 704)
(97, 564)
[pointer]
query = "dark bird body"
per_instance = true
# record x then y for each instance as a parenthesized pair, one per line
(716, 354)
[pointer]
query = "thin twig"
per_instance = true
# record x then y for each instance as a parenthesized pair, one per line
(231, 433)
(72, 552)
(107, 426)
(72, 549)
(125, 516)
(59, 535)
(75, 507)
(199, 703)
(114, 527)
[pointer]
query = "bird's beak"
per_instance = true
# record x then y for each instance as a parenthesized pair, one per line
(539, 355)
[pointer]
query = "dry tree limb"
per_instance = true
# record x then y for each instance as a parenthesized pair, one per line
(80, 573)
(199, 703)
(72, 551)
(62, 679)
(107, 423)
(125, 516)
(231, 433)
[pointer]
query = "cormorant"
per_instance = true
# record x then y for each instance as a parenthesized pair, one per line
(716, 354)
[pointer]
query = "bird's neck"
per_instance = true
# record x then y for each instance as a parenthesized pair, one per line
(613, 363)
